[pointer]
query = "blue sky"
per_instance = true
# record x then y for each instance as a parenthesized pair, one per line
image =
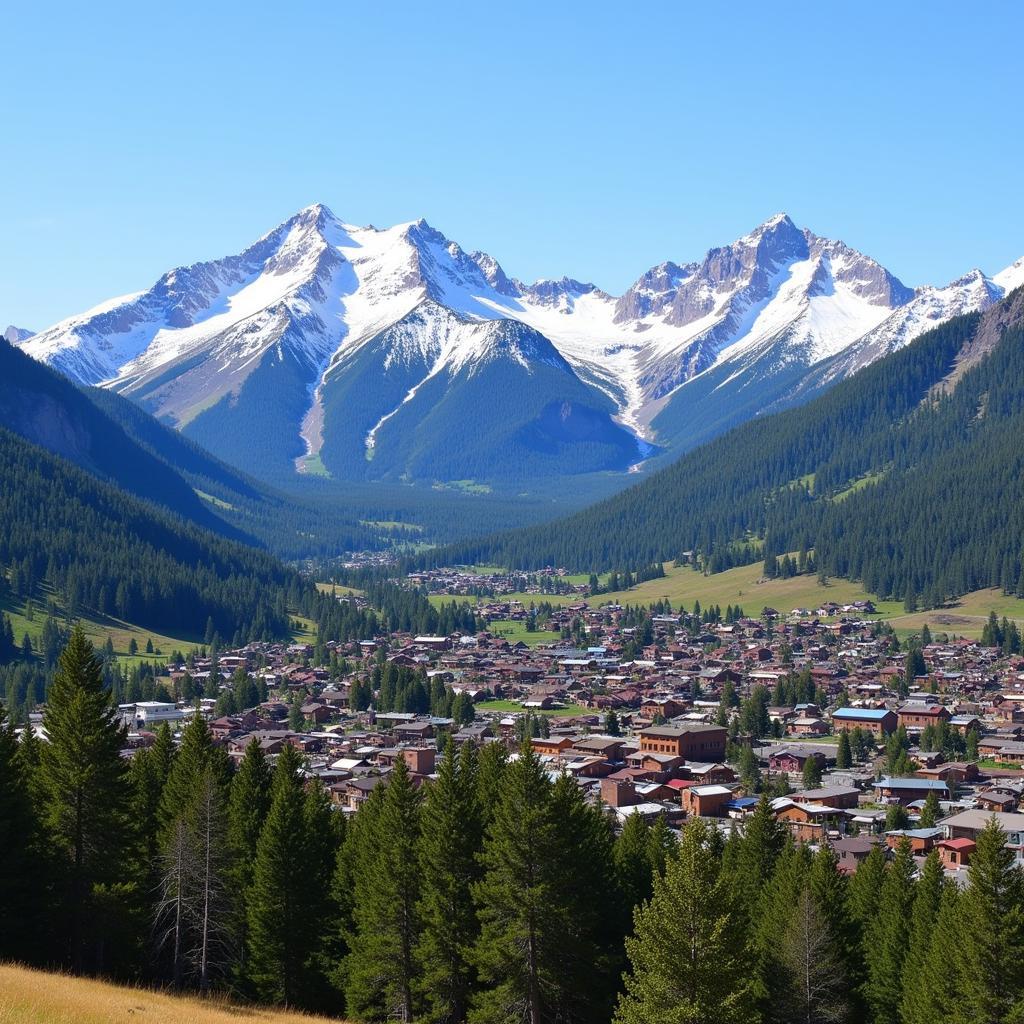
(590, 139)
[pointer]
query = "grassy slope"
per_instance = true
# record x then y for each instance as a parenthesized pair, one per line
(514, 631)
(97, 628)
(32, 997)
(744, 586)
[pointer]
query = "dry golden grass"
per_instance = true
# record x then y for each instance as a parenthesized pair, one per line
(35, 997)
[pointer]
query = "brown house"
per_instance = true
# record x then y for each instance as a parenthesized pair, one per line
(706, 801)
(696, 741)
(914, 717)
(956, 853)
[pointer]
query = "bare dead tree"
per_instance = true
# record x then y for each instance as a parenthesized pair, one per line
(172, 911)
(815, 993)
(194, 914)
(214, 946)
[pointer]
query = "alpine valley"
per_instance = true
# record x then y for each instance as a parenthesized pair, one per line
(392, 355)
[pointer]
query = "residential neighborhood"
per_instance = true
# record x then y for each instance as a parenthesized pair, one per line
(661, 714)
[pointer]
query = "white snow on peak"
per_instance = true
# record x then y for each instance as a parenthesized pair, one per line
(324, 288)
(1012, 277)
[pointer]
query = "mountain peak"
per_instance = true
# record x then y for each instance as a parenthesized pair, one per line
(16, 335)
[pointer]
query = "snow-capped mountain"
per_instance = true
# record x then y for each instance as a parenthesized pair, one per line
(366, 352)
(16, 335)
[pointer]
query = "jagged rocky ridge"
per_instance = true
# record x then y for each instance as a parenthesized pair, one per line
(393, 353)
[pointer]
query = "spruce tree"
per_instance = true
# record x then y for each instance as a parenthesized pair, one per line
(991, 938)
(830, 888)
(248, 806)
(149, 771)
(196, 754)
(287, 899)
(844, 756)
(759, 849)
(768, 929)
(930, 812)
(382, 971)
(450, 838)
(812, 773)
(633, 864)
(518, 953)
(490, 771)
(84, 792)
(662, 844)
(927, 900)
(866, 888)
(931, 989)
(887, 939)
(592, 949)
(20, 880)
(688, 956)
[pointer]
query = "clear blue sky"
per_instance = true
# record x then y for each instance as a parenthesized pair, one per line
(591, 139)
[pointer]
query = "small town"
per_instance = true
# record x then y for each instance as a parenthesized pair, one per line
(672, 718)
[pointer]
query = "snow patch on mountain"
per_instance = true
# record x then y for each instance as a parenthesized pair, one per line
(16, 335)
(317, 290)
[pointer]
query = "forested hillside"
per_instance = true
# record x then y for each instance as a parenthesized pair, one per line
(105, 550)
(889, 453)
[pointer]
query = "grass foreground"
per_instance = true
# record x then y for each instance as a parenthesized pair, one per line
(36, 997)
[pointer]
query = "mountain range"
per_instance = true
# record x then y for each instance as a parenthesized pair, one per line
(393, 354)
(908, 476)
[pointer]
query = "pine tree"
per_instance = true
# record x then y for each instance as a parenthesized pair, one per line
(927, 900)
(451, 835)
(688, 957)
(382, 971)
(286, 901)
(991, 938)
(517, 955)
(887, 938)
(930, 811)
(84, 790)
(931, 989)
(20, 881)
(844, 756)
(633, 865)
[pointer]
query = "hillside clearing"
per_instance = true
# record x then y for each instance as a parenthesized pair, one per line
(746, 587)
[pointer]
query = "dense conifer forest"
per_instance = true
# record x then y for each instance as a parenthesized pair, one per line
(492, 894)
(105, 550)
(887, 453)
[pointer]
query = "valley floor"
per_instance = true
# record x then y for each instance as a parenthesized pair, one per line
(746, 587)
(35, 997)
